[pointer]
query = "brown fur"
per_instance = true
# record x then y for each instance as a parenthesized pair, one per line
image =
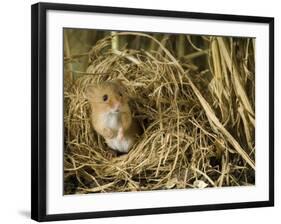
(116, 95)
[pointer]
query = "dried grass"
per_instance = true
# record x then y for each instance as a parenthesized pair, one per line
(195, 131)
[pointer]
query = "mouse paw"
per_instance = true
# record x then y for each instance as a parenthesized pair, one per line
(107, 133)
(110, 154)
(120, 134)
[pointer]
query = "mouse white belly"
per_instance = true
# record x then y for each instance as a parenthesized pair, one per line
(121, 145)
(112, 121)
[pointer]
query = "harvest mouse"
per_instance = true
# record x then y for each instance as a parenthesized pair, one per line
(111, 116)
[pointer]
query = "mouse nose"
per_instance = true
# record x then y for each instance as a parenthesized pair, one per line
(117, 106)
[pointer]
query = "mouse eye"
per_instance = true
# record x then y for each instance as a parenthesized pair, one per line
(120, 94)
(105, 97)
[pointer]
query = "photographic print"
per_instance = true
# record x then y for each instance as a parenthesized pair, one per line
(155, 111)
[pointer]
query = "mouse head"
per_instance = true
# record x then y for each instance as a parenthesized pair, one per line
(107, 97)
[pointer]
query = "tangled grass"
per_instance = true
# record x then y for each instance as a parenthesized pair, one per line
(198, 127)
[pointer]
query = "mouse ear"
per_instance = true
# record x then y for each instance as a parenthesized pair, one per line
(118, 82)
(90, 91)
(120, 85)
(121, 88)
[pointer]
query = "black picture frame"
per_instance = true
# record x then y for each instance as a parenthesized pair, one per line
(39, 122)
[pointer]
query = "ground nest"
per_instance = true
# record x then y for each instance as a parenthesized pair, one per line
(188, 141)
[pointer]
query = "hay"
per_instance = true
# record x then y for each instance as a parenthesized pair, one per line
(191, 126)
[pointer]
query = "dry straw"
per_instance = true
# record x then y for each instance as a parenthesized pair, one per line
(198, 128)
